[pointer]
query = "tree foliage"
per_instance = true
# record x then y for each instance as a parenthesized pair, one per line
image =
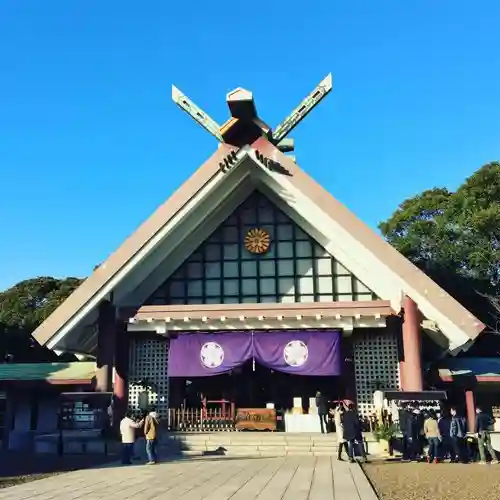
(27, 304)
(455, 237)
(456, 230)
(23, 307)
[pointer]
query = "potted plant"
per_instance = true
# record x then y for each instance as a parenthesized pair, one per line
(384, 434)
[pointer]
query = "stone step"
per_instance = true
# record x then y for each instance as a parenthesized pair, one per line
(254, 444)
(255, 447)
(250, 435)
(254, 438)
(225, 441)
(247, 452)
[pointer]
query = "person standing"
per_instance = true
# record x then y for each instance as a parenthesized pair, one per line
(405, 425)
(339, 429)
(457, 435)
(127, 431)
(444, 423)
(151, 424)
(417, 434)
(322, 405)
(484, 424)
(431, 431)
(351, 426)
(359, 440)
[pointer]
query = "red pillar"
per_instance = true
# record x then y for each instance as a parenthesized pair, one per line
(412, 366)
(120, 382)
(470, 406)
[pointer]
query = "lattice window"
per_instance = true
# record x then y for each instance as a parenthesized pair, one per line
(148, 365)
(296, 268)
(376, 363)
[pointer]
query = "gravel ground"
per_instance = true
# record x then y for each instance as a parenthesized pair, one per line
(421, 481)
(5, 482)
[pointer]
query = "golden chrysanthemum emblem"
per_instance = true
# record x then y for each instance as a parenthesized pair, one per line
(257, 241)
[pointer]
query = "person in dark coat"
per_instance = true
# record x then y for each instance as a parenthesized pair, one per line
(484, 424)
(444, 423)
(405, 425)
(417, 434)
(322, 405)
(458, 432)
(352, 429)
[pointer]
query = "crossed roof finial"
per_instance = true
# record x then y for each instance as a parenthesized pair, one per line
(245, 126)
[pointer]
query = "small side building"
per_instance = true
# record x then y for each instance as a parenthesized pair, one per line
(30, 399)
(470, 383)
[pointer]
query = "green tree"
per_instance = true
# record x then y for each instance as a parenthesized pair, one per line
(22, 308)
(457, 232)
(25, 305)
(19, 346)
(473, 221)
(455, 238)
(417, 229)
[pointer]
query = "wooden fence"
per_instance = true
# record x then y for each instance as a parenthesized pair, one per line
(220, 419)
(200, 419)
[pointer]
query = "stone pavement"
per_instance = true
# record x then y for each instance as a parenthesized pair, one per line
(207, 478)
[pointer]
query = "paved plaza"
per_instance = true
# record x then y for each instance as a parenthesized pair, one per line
(207, 478)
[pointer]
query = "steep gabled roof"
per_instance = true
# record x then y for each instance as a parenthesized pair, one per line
(130, 247)
(364, 252)
(434, 302)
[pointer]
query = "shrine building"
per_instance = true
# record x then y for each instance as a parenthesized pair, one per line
(253, 287)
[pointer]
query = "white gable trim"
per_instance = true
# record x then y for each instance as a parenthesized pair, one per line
(354, 256)
(146, 250)
(335, 239)
(332, 236)
(159, 272)
(171, 257)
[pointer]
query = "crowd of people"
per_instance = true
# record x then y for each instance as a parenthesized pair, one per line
(446, 435)
(426, 434)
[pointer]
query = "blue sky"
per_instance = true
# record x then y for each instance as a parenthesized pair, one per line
(91, 144)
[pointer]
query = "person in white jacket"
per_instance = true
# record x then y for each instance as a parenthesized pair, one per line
(127, 431)
(339, 429)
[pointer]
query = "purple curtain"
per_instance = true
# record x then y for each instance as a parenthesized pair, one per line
(204, 354)
(299, 352)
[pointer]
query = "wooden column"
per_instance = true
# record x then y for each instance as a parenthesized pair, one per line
(348, 370)
(105, 346)
(394, 326)
(121, 372)
(10, 417)
(411, 334)
(470, 407)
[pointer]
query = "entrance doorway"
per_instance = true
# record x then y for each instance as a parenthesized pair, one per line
(253, 386)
